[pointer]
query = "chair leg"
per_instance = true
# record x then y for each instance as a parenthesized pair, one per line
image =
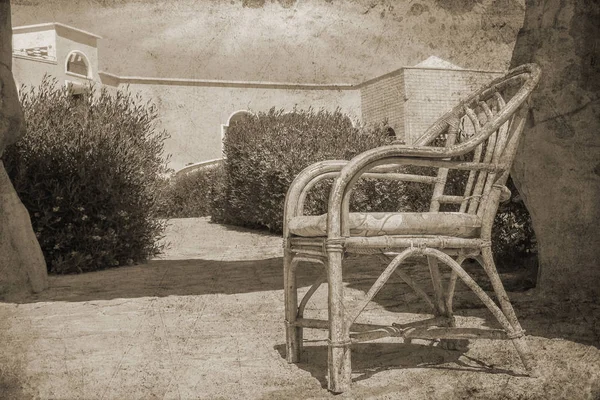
(450, 290)
(293, 333)
(526, 355)
(438, 288)
(443, 302)
(453, 344)
(338, 363)
(518, 339)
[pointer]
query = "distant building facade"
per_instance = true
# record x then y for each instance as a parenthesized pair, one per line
(66, 53)
(197, 112)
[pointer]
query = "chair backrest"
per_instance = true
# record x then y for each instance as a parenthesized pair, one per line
(485, 128)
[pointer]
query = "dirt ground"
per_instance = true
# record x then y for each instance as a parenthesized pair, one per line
(205, 321)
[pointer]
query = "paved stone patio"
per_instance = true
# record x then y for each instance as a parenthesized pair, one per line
(205, 322)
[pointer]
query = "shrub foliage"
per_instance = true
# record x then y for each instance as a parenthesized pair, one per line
(88, 171)
(513, 236)
(191, 195)
(264, 153)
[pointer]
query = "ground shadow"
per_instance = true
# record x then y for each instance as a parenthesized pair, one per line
(369, 359)
(256, 231)
(161, 278)
(575, 321)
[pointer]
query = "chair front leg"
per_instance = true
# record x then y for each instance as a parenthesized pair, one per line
(293, 333)
(338, 363)
(453, 344)
(443, 302)
(438, 288)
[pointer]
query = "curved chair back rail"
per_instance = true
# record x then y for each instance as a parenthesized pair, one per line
(502, 127)
(423, 154)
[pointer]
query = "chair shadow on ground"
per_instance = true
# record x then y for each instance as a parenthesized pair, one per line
(369, 359)
(575, 321)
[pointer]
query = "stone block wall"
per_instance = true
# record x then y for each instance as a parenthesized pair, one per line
(431, 92)
(383, 99)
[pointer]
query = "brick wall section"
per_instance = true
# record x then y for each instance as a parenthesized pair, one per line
(382, 99)
(430, 93)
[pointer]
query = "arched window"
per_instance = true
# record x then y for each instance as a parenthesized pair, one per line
(238, 116)
(78, 64)
(234, 118)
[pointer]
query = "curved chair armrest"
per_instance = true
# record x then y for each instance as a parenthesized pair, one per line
(385, 155)
(302, 184)
(321, 170)
(313, 174)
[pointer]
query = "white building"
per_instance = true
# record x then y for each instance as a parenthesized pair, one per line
(196, 112)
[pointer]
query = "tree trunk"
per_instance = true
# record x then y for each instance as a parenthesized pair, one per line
(22, 265)
(557, 170)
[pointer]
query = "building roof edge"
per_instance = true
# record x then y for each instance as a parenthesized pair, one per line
(52, 25)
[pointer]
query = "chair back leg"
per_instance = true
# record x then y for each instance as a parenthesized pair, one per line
(518, 340)
(438, 287)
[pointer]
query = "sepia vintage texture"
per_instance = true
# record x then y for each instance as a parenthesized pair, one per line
(22, 265)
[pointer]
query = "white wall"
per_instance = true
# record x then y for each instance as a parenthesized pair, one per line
(193, 115)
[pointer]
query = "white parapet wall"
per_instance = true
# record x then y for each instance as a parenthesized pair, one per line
(198, 166)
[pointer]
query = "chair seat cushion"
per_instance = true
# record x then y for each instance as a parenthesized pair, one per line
(381, 224)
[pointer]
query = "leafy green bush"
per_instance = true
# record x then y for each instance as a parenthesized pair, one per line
(265, 152)
(191, 195)
(88, 171)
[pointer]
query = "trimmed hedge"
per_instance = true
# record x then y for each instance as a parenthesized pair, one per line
(264, 153)
(191, 195)
(88, 170)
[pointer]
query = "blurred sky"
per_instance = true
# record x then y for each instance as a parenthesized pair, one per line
(320, 41)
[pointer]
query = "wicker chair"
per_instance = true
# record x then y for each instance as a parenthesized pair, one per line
(495, 116)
